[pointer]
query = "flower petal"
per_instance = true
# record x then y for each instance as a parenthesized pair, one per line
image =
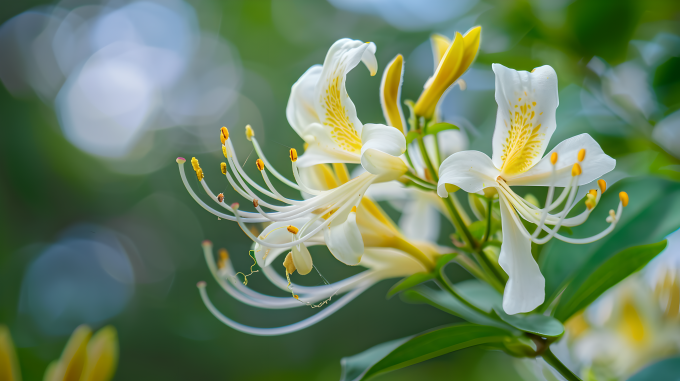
(383, 138)
(334, 107)
(525, 289)
(390, 93)
(323, 149)
(595, 164)
(472, 171)
(344, 240)
(302, 259)
(102, 355)
(276, 233)
(420, 219)
(381, 147)
(525, 120)
(301, 109)
(440, 44)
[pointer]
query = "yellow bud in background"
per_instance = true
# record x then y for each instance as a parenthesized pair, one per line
(102, 355)
(456, 60)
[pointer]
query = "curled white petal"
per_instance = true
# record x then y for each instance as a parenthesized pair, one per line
(344, 240)
(471, 171)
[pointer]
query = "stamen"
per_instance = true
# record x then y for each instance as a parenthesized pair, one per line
(249, 132)
(553, 158)
(223, 167)
(612, 216)
(256, 203)
(293, 155)
(224, 134)
(259, 164)
(285, 329)
(220, 197)
(224, 151)
(623, 196)
(602, 184)
(354, 209)
(581, 154)
(293, 229)
(576, 169)
(197, 169)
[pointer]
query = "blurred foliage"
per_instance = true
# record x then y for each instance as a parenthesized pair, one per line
(165, 332)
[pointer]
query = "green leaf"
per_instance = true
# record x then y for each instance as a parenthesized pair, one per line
(439, 127)
(354, 367)
(481, 294)
(664, 370)
(411, 136)
(537, 324)
(409, 282)
(447, 303)
(435, 343)
(589, 285)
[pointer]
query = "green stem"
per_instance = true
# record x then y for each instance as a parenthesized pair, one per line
(437, 155)
(421, 182)
(551, 359)
(426, 158)
(444, 283)
(481, 256)
(458, 223)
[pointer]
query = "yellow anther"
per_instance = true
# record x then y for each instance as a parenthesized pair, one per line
(581, 154)
(197, 168)
(591, 199)
(576, 170)
(220, 197)
(590, 204)
(553, 158)
(293, 229)
(623, 196)
(260, 164)
(354, 209)
(293, 155)
(256, 204)
(224, 151)
(288, 264)
(602, 184)
(224, 134)
(223, 167)
(224, 257)
(181, 160)
(249, 132)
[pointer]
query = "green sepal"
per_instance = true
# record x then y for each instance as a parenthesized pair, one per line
(409, 282)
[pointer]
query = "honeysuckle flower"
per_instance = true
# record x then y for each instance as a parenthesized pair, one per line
(451, 59)
(525, 121)
(629, 327)
(321, 112)
(381, 263)
(85, 357)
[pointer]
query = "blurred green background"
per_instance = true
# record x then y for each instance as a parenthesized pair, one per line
(99, 98)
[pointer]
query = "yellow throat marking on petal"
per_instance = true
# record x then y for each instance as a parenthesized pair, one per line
(342, 129)
(524, 140)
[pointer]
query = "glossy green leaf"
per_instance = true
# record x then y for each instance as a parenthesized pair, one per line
(481, 294)
(439, 127)
(354, 367)
(435, 343)
(538, 324)
(409, 282)
(594, 280)
(443, 261)
(447, 303)
(664, 370)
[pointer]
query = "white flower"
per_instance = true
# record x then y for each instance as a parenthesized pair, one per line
(525, 121)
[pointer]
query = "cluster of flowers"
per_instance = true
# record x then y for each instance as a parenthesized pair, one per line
(336, 212)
